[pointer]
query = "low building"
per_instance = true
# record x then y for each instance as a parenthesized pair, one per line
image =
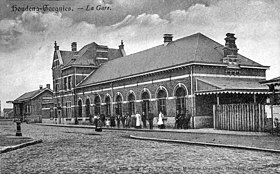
(8, 113)
(35, 105)
(189, 74)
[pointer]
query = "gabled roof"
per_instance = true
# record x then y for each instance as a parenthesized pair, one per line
(194, 48)
(31, 94)
(86, 55)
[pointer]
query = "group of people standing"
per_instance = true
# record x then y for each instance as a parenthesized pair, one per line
(140, 121)
(127, 120)
(182, 119)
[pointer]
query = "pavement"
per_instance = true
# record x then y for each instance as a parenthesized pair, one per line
(10, 142)
(195, 131)
(80, 150)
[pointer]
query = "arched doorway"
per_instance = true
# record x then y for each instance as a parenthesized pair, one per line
(80, 108)
(97, 105)
(146, 102)
(131, 104)
(118, 108)
(88, 108)
(108, 106)
(180, 100)
(161, 96)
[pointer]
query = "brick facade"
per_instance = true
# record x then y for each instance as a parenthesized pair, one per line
(162, 85)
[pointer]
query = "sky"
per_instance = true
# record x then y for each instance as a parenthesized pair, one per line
(27, 37)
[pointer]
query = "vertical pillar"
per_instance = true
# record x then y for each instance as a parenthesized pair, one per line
(214, 116)
(255, 98)
(271, 106)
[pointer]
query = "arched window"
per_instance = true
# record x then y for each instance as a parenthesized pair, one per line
(108, 105)
(80, 108)
(87, 107)
(180, 100)
(161, 96)
(146, 103)
(118, 108)
(131, 104)
(97, 105)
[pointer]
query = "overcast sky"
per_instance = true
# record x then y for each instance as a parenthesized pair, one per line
(27, 38)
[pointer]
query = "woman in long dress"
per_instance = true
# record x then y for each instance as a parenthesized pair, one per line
(138, 120)
(160, 121)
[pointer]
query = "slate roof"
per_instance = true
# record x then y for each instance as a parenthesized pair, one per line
(86, 55)
(194, 48)
(31, 94)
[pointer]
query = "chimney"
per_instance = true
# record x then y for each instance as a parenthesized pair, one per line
(121, 48)
(74, 46)
(55, 46)
(230, 46)
(41, 87)
(48, 86)
(167, 38)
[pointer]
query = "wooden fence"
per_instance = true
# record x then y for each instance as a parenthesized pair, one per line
(239, 117)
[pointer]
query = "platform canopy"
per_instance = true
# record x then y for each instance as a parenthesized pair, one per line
(274, 81)
(219, 85)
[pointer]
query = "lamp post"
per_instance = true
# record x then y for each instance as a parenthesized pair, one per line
(18, 132)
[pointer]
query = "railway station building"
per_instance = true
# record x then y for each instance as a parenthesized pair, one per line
(192, 73)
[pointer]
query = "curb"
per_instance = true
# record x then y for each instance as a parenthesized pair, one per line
(205, 144)
(15, 147)
(144, 130)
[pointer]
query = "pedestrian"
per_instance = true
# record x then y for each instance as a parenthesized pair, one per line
(151, 119)
(102, 118)
(127, 120)
(144, 119)
(95, 120)
(160, 120)
(108, 121)
(133, 120)
(138, 120)
(177, 120)
(118, 119)
(122, 119)
(112, 121)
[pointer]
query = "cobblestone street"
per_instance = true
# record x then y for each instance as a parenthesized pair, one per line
(74, 150)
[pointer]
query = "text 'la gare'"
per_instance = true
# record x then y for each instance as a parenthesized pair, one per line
(98, 8)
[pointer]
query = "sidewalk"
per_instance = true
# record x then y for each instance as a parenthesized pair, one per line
(193, 131)
(8, 140)
(259, 141)
(10, 143)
